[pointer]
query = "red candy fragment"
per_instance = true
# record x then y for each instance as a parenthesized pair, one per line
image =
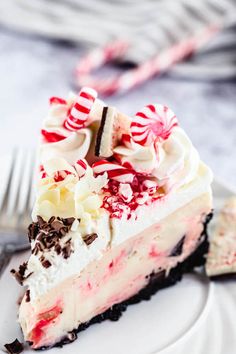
(57, 100)
(51, 137)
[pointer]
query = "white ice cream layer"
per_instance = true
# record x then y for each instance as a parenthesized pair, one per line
(111, 232)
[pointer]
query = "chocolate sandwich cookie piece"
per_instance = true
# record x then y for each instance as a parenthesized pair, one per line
(113, 125)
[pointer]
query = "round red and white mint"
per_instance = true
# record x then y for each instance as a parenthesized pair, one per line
(152, 122)
(114, 171)
(79, 112)
(81, 167)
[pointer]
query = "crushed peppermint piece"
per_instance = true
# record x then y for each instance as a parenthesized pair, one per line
(125, 192)
(124, 198)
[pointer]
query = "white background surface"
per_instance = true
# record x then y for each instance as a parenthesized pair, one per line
(33, 69)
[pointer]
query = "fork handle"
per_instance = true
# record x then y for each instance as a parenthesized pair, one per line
(4, 258)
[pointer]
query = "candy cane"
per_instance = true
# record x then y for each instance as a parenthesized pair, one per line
(152, 122)
(79, 112)
(114, 171)
(80, 167)
(134, 77)
(99, 57)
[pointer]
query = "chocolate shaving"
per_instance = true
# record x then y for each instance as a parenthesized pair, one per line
(38, 248)
(41, 222)
(52, 218)
(33, 231)
(68, 221)
(27, 296)
(15, 347)
(66, 251)
(46, 264)
(19, 275)
(48, 234)
(58, 249)
(88, 239)
(57, 225)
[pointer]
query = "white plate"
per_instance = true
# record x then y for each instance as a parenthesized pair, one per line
(194, 316)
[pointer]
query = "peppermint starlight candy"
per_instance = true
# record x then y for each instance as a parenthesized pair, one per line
(114, 171)
(79, 112)
(152, 122)
(81, 167)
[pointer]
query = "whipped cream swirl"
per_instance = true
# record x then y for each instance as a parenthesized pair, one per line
(71, 146)
(173, 162)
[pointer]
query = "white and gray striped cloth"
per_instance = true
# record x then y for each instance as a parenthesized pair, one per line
(150, 26)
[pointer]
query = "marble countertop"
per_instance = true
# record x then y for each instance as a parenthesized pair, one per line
(33, 69)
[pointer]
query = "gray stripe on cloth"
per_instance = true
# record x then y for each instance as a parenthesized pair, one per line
(150, 26)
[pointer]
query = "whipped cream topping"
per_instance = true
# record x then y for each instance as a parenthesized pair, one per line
(67, 144)
(42, 279)
(173, 162)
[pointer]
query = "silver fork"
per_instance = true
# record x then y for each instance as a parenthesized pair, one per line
(16, 199)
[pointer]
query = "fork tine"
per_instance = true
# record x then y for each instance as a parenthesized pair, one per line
(35, 177)
(24, 193)
(6, 176)
(15, 184)
(24, 201)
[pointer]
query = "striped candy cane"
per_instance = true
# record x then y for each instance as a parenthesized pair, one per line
(79, 112)
(134, 77)
(152, 122)
(81, 167)
(114, 171)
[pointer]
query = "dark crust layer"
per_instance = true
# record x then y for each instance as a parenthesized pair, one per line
(100, 132)
(157, 281)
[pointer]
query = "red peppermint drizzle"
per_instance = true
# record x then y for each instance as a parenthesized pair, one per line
(44, 319)
(51, 137)
(57, 100)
